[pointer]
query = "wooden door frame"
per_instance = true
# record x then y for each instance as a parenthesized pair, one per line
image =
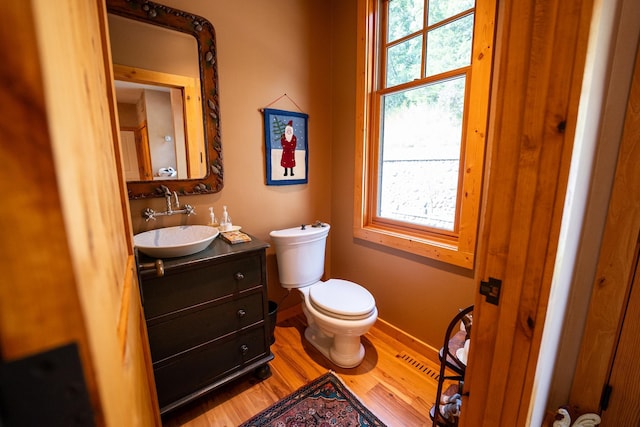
(142, 149)
(612, 285)
(539, 64)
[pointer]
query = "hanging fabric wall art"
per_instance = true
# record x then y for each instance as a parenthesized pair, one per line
(286, 147)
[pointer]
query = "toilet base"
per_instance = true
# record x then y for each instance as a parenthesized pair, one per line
(345, 351)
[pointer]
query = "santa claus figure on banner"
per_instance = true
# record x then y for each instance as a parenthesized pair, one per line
(288, 141)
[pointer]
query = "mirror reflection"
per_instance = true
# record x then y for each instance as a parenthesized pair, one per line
(165, 79)
(160, 116)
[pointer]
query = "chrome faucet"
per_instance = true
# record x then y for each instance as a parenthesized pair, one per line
(169, 210)
(175, 196)
(150, 214)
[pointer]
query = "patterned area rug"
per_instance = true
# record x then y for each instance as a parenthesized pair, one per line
(323, 402)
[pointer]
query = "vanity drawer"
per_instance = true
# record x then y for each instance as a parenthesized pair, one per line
(173, 334)
(185, 288)
(198, 369)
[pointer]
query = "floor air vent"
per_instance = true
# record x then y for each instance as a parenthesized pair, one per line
(429, 369)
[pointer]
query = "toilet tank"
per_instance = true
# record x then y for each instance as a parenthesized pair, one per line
(300, 254)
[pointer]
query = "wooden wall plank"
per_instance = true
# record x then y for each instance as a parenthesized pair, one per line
(37, 276)
(67, 251)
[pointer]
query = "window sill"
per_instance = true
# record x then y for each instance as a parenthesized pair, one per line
(441, 249)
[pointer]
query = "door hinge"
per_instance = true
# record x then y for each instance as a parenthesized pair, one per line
(606, 395)
(491, 290)
(45, 389)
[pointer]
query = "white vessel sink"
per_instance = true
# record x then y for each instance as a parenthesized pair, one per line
(176, 241)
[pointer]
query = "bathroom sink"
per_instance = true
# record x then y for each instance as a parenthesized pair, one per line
(170, 242)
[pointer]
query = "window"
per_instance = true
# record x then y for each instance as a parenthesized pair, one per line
(424, 74)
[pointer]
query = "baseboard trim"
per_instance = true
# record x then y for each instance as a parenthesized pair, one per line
(411, 342)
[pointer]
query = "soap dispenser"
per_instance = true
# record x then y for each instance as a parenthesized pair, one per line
(225, 223)
(213, 221)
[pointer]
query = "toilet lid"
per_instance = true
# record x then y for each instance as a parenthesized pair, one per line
(342, 299)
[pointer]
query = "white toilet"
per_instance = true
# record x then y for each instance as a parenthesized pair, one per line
(338, 311)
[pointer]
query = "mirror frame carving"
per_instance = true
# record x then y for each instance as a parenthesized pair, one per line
(204, 33)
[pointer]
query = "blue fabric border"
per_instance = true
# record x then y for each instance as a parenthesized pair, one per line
(300, 120)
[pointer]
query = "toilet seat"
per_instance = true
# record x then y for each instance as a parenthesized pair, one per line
(342, 299)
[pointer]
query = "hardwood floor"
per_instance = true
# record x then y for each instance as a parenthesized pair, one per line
(394, 382)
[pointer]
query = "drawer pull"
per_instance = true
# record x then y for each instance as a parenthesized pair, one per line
(244, 349)
(157, 265)
(239, 276)
(241, 313)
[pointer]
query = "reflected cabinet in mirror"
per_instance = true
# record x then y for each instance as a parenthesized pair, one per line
(166, 83)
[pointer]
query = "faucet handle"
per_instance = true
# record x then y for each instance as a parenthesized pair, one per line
(148, 214)
(189, 210)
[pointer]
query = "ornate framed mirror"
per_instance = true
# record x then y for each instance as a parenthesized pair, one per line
(166, 79)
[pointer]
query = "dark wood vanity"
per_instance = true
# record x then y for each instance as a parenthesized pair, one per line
(207, 319)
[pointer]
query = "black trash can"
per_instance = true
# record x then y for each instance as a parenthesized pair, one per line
(273, 312)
